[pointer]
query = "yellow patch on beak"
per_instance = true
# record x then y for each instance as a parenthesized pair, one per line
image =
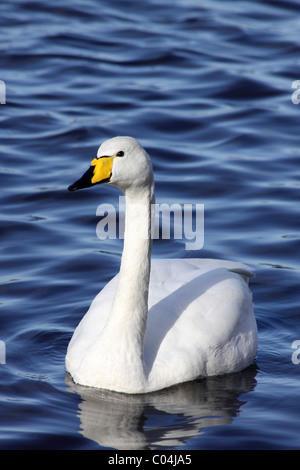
(102, 170)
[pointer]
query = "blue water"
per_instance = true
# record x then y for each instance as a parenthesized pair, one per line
(206, 87)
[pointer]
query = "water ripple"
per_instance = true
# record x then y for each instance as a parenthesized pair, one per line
(207, 90)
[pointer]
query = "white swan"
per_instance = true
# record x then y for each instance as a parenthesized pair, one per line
(150, 328)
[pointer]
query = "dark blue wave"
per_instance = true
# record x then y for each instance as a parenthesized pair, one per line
(207, 89)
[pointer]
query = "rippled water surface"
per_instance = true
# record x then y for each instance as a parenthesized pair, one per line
(206, 86)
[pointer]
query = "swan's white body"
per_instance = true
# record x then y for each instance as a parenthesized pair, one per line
(160, 322)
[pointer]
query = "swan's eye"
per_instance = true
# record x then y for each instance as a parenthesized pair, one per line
(120, 154)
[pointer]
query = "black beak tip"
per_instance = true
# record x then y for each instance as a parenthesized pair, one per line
(84, 182)
(72, 187)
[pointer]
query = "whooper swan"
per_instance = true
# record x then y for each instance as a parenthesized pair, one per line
(161, 322)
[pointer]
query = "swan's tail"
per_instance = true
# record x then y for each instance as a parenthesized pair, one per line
(244, 273)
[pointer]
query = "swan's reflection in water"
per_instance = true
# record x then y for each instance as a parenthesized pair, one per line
(164, 419)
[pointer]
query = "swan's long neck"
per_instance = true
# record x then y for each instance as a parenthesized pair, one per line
(127, 320)
(131, 300)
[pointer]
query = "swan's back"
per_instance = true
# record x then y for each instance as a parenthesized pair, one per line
(200, 321)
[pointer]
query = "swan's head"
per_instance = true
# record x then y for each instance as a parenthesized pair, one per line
(121, 162)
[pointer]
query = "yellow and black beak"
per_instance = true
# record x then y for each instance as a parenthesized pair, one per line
(99, 172)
